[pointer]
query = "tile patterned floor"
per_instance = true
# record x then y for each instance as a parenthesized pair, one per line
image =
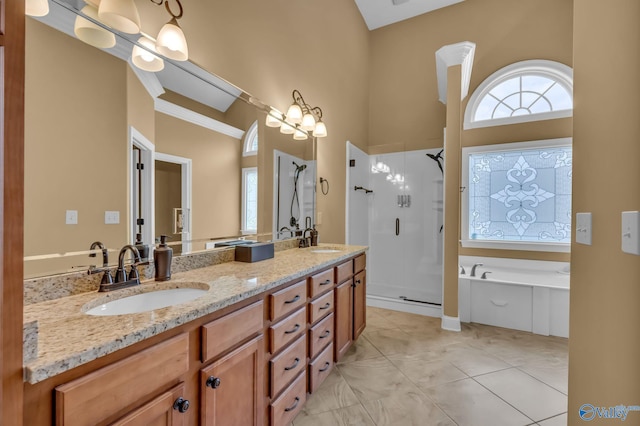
(405, 370)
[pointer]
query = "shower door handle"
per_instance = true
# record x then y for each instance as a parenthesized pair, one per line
(397, 226)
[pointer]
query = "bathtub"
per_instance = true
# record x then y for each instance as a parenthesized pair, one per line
(519, 294)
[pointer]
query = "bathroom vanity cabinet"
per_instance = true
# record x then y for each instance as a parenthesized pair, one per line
(251, 363)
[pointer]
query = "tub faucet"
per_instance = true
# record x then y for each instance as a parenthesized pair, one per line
(484, 275)
(285, 229)
(473, 269)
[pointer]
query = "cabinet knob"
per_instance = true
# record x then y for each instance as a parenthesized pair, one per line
(213, 382)
(181, 404)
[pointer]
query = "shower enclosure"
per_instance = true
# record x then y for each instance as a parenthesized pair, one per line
(405, 213)
(293, 194)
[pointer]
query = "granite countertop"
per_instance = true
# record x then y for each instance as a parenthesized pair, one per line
(67, 337)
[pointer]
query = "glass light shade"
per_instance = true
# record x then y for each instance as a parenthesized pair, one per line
(144, 59)
(287, 129)
(91, 33)
(320, 130)
(299, 135)
(94, 3)
(36, 7)
(120, 14)
(308, 122)
(294, 114)
(171, 42)
(271, 120)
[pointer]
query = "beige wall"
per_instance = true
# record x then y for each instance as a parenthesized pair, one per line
(216, 175)
(76, 110)
(168, 196)
(605, 287)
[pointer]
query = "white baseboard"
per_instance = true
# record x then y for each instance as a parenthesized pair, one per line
(404, 306)
(451, 323)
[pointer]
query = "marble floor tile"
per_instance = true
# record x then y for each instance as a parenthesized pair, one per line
(361, 349)
(426, 374)
(407, 409)
(392, 341)
(375, 378)
(355, 415)
(560, 420)
(470, 404)
(332, 394)
(474, 361)
(553, 375)
(532, 397)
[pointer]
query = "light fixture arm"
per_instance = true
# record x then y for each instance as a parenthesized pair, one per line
(306, 108)
(166, 5)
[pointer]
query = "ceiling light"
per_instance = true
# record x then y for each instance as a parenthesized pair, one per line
(121, 15)
(36, 7)
(171, 41)
(144, 59)
(91, 33)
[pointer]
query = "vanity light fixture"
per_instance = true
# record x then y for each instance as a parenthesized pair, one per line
(300, 119)
(171, 41)
(36, 7)
(91, 33)
(144, 59)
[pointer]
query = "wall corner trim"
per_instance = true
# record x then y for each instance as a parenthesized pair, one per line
(192, 117)
(451, 323)
(454, 54)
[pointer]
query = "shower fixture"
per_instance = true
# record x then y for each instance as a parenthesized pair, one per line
(294, 198)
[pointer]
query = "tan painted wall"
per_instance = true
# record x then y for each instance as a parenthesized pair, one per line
(605, 290)
(168, 195)
(76, 109)
(216, 175)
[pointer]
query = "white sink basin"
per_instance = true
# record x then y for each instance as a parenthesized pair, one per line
(146, 301)
(325, 251)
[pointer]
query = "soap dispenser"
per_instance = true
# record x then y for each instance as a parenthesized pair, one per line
(314, 236)
(143, 249)
(162, 260)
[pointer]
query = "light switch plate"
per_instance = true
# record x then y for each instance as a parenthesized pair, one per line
(630, 230)
(71, 217)
(583, 228)
(111, 217)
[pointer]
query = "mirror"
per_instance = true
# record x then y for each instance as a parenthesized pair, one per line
(90, 115)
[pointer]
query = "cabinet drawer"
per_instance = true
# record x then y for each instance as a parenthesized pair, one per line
(320, 283)
(320, 307)
(287, 300)
(285, 331)
(224, 333)
(344, 271)
(320, 336)
(320, 368)
(289, 404)
(91, 399)
(360, 263)
(502, 305)
(288, 364)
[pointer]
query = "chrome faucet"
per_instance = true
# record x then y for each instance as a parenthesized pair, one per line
(123, 279)
(473, 269)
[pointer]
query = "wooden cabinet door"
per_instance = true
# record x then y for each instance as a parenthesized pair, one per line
(343, 317)
(359, 303)
(166, 410)
(232, 388)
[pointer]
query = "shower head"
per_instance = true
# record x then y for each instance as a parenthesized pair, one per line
(299, 168)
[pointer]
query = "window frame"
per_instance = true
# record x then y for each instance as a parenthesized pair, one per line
(556, 71)
(465, 240)
(250, 135)
(243, 212)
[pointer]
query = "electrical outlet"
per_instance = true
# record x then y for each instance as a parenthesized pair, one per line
(71, 217)
(111, 217)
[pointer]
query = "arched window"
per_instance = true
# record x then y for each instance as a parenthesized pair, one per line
(251, 141)
(524, 91)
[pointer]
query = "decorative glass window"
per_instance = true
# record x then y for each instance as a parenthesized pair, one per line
(251, 141)
(524, 91)
(518, 196)
(249, 200)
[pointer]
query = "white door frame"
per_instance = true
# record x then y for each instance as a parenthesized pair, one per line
(147, 197)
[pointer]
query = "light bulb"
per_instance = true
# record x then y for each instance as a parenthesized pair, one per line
(36, 7)
(320, 131)
(120, 14)
(294, 114)
(91, 33)
(287, 129)
(144, 59)
(299, 135)
(308, 122)
(171, 41)
(274, 118)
